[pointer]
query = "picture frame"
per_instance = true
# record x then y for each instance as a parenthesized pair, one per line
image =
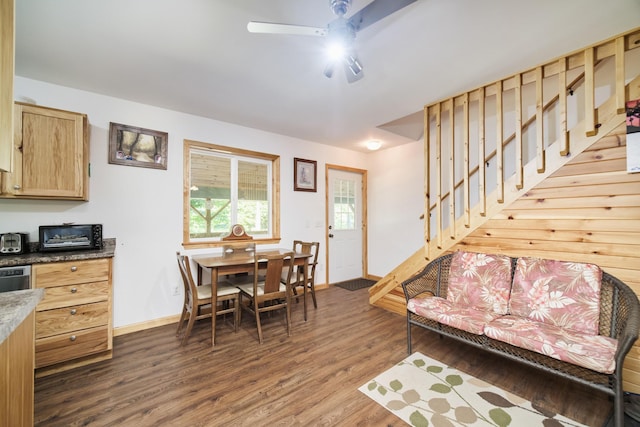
(304, 175)
(135, 146)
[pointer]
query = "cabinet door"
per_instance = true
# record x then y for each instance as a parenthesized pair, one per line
(7, 35)
(50, 154)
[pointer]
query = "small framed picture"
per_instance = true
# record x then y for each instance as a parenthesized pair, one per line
(134, 146)
(304, 175)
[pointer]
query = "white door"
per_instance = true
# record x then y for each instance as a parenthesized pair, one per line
(345, 225)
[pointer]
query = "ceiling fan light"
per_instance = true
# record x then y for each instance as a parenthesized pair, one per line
(354, 65)
(328, 70)
(336, 50)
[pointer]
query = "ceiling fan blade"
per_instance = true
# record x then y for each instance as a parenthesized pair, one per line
(375, 11)
(270, 28)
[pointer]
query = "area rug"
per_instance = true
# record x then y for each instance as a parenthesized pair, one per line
(424, 392)
(355, 284)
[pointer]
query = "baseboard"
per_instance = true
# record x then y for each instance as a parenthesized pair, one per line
(136, 327)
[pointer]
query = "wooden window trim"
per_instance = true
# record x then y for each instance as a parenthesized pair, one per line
(186, 185)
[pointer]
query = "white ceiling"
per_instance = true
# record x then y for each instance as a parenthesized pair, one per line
(197, 57)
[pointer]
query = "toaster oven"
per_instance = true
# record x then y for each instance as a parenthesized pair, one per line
(70, 237)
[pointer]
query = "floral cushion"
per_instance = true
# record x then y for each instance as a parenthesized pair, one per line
(447, 313)
(559, 293)
(594, 352)
(480, 281)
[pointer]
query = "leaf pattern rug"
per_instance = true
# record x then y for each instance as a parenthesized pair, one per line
(424, 392)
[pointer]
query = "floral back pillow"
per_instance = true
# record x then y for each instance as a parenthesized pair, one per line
(560, 293)
(480, 281)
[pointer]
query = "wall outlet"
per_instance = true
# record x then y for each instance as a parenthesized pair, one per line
(176, 290)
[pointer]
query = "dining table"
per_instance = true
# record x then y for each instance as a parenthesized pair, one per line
(223, 264)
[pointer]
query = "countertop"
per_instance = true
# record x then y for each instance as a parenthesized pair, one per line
(15, 306)
(107, 251)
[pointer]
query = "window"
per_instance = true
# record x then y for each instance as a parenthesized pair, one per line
(344, 204)
(226, 186)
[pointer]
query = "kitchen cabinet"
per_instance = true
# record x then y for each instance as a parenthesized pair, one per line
(50, 155)
(16, 356)
(7, 60)
(74, 320)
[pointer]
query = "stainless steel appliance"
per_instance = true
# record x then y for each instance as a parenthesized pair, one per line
(70, 237)
(14, 243)
(15, 278)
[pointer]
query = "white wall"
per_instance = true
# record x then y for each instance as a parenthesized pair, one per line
(142, 208)
(396, 201)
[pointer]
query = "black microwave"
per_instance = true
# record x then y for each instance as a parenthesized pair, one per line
(70, 237)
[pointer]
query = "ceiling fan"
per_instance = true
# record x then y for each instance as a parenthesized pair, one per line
(340, 33)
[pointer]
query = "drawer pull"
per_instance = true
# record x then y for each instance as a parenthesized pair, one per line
(73, 311)
(72, 338)
(74, 268)
(74, 290)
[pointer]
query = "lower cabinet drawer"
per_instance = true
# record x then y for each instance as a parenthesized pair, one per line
(65, 296)
(69, 319)
(69, 346)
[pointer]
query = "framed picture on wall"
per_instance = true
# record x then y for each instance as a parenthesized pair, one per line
(134, 146)
(304, 175)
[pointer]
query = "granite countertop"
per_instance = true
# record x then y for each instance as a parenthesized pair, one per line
(107, 251)
(15, 306)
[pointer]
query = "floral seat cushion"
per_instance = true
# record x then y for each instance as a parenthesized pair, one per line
(594, 352)
(480, 281)
(559, 293)
(447, 313)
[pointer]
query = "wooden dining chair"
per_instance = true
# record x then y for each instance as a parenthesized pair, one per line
(198, 298)
(244, 249)
(298, 279)
(269, 294)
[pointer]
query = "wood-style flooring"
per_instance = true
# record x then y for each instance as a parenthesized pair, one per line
(308, 379)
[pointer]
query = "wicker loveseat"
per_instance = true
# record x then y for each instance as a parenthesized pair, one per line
(570, 319)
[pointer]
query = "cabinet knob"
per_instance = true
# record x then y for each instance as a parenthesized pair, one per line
(16, 187)
(74, 268)
(72, 338)
(73, 311)
(74, 290)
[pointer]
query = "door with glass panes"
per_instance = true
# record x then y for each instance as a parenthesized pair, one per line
(345, 225)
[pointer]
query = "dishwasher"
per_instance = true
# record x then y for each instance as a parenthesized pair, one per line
(15, 278)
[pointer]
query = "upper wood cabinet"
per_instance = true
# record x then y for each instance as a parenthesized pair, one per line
(7, 47)
(50, 155)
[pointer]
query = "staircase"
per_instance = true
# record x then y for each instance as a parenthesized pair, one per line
(487, 148)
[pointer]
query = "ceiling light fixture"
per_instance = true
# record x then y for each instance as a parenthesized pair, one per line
(374, 145)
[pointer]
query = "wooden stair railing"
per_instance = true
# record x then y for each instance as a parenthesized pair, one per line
(456, 222)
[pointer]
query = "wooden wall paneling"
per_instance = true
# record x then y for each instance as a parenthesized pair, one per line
(587, 211)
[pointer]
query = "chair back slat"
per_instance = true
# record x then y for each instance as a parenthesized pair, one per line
(187, 279)
(312, 248)
(239, 249)
(276, 265)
